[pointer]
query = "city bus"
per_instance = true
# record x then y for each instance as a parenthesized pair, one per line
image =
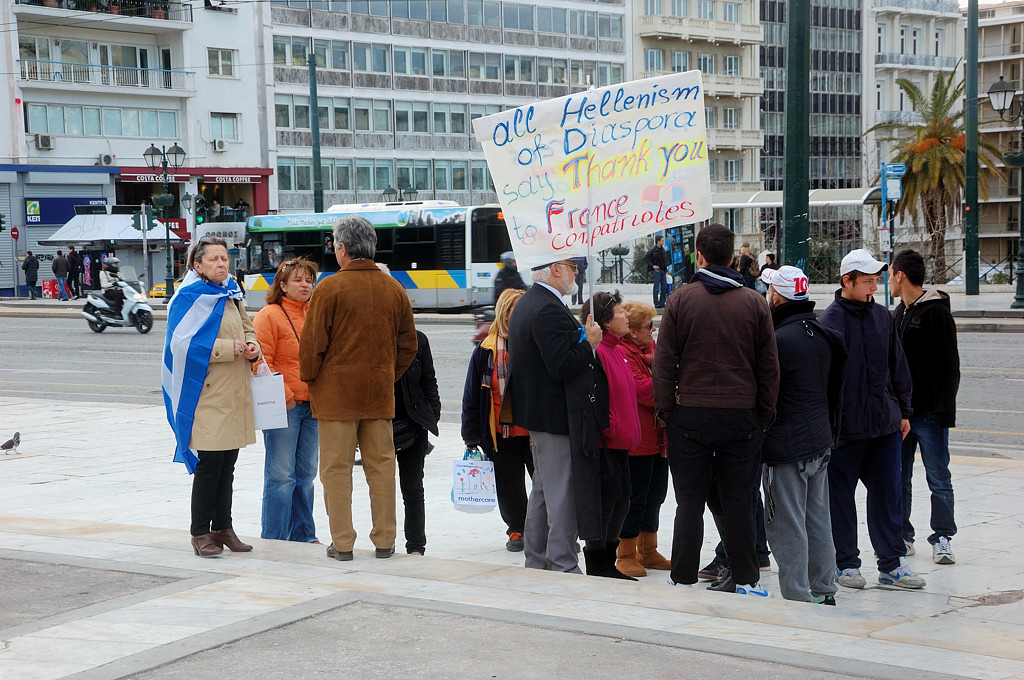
(445, 255)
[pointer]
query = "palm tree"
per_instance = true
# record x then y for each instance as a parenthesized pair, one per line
(933, 151)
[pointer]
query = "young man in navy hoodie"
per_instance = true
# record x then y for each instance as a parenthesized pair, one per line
(875, 419)
(925, 326)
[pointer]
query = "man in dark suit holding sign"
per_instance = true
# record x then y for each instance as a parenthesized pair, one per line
(547, 348)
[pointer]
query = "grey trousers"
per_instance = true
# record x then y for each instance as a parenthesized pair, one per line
(799, 527)
(550, 535)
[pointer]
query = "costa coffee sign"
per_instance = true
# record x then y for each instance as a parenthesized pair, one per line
(231, 179)
(153, 179)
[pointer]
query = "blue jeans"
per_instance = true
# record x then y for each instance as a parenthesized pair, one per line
(291, 465)
(660, 292)
(934, 441)
(62, 288)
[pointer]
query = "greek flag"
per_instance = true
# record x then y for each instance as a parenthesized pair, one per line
(193, 321)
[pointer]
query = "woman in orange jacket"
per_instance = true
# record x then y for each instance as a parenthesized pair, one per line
(292, 452)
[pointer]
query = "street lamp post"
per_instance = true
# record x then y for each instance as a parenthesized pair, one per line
(160, 159)
(1002, 95)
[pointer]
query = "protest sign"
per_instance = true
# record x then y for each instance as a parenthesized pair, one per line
(599, 167)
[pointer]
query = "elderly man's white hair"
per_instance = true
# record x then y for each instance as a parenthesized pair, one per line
(541, 275)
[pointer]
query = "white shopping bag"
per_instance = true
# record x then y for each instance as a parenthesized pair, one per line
(473, 485)
(269, 408)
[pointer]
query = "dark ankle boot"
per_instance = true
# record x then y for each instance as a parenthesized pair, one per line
(229, 538)
(610, 550)
(595, 562)
(206, 545)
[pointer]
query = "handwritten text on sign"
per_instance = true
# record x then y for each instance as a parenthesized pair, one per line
(608, 165)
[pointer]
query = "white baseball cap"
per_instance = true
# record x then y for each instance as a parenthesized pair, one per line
(861, 261)
(789, 282)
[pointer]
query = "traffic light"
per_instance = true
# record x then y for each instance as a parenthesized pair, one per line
(200, 209)
(146, 223)
(2, 227)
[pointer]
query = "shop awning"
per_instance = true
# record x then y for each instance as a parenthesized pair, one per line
(819, 198)
(103, 230)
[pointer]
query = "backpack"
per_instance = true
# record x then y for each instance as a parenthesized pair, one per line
(753, 269)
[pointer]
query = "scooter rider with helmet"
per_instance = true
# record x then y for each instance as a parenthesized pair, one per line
(109, 278)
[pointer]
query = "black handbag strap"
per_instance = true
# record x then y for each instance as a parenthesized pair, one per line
(289, 321)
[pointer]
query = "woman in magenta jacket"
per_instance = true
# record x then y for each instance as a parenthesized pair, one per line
(648, 466)
(621, 435)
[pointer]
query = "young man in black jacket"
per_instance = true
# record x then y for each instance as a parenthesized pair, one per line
(797, 447)
(876, 412)
(927, 332)
(657, 260)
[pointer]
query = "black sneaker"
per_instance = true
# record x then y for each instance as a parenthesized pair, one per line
(714, 571)
(338, 554)
(827, 599)
(726, 584)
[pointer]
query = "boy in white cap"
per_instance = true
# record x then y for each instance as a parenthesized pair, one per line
(875, 419)
(797, 447)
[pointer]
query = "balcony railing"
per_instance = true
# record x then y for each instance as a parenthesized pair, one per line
(922, 5)
(903, 117)
(725, 32)
(150, 9)
(117, 76)
(914, 60)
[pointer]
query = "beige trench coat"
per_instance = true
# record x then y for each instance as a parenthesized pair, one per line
(224, 419)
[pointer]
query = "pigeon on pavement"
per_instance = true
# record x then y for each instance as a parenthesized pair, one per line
(11, 444)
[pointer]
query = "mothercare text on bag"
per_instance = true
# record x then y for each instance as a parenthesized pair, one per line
(473, 485)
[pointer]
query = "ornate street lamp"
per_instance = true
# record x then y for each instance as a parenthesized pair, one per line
(160, 159)
(1001, 95)
(389, 194)
(409, 194)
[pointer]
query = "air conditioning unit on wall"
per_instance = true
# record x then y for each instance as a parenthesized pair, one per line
(220, 145)
(105, 159)
(46, 142)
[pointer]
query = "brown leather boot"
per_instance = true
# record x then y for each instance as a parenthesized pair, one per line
(649, 555)
(626, 558)
(206, 546)
(229, 538)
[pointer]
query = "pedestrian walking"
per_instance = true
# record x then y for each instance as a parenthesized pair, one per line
(797, 447)
(507, 446)
(876, 412)
(60, 269)
(553, 396)
(621, 434)
(31, 268)
(648, 462)
(74, 272)
(208, 353)
(292, 453)
(927, 333)
(716, 410)
(358, 339)
(508, 276)
(657, 263)
(417, 410)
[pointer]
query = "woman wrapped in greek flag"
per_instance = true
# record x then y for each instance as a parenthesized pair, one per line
(206, 380)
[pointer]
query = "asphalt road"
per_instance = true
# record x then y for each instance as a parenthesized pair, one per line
(62, 359)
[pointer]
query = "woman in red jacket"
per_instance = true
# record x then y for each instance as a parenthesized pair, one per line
(292, 452)
(621, 435)
(648, 465)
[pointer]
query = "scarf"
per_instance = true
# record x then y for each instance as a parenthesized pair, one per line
(501, 370)
(193, 321)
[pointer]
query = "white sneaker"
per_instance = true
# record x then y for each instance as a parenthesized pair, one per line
(903, 576)
(942, 553)
(911, 551)
(851, 578)
(756, 589)
(678, 585)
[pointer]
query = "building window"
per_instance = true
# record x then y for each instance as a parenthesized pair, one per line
(709, 117)
(93, 121)
(903, 39)
(731, 66)
(484, 66)
(706, 63)
(938, 42)
(880, 42)
(222, 62)
(367, 57)
(609, 26)
(878, 95)
(520, 69)
(712, 170)
(285, 174)
(680, 61)
(412, 117)
(224, 125)
(481, 179)
(449, 63)
(449, 119)
(731, 12)
(652, 60)
(411, 61)
(551, 20)
(517, 16)
(732, 118)
(652, 6)
(551, 70)
(706, 9)
(680, 8)
(733, 170)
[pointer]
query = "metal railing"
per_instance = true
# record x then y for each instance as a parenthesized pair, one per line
(926, 5)
(914, 60)
(905, 117)
(94, 74)
(172, 10)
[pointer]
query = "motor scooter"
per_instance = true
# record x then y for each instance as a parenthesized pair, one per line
(100, 313)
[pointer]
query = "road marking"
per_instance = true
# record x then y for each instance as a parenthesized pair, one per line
(989, 410)
(56, 371)
(1014, 434)
(52, 384)
(992, 371)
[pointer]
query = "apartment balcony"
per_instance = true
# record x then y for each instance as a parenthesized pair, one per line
(721, 139)
(60, 75)
(139, 16)
(893, 60)
(721, 187)
(916, 7)
(732, 86)
(662, 27)
(902, 117)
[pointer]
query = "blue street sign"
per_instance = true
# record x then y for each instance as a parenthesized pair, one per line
(895, 169)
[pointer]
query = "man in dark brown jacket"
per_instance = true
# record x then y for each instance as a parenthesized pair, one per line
(716, 378)
(358, 339)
